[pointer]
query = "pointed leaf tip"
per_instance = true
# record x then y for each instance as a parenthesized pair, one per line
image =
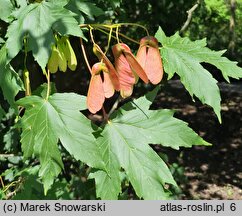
(184, 57)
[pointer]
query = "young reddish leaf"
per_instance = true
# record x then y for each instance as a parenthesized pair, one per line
(149, 58)
(112, 71)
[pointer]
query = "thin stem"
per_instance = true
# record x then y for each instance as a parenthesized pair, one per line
(48, 84)
(109, 39)
(85, 56)
(115, 106)
(135, 24)
(189, 17)
(25, 52)
(101, 29)
(10, 185)
(2, 183)
(91, 35)
(27, 83)
(105, 115)
(128, 38)
(26, 72)
(115, 26)
(117, 34)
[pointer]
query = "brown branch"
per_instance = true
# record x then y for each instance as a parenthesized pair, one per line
(189, 17)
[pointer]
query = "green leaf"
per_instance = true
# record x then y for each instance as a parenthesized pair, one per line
(10, 81)
(108, 183)
(182, 56)
(46, 122)
(143, 103)
(42, 90)
(1, 40)
(80, 8)
(67, 25)
(75, 130)
(2, 195)
(73, 7)
(2, 113)
(40, 138)
(49, 171)
(61, 3)
(21, 3)
(11, 139)
(198, 51)
(89, 9)
(124, 143)
(160, 127)
(227, 67)
(32, 189)
(36, 21)
(115, 3)
(6, 10)
(145, 169)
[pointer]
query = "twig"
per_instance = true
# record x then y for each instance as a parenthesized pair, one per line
(6, 155)
(17, 184)
(2, 183)
(115, 106)
(48, 84)
(189, 16)
(10, 195)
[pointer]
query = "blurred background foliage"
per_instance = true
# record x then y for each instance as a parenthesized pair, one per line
(220, 21)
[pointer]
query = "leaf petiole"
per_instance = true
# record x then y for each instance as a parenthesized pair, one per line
(48, 82)
(85, 56)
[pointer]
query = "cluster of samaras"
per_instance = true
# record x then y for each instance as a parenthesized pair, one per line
(106, 77)
(62, 56)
